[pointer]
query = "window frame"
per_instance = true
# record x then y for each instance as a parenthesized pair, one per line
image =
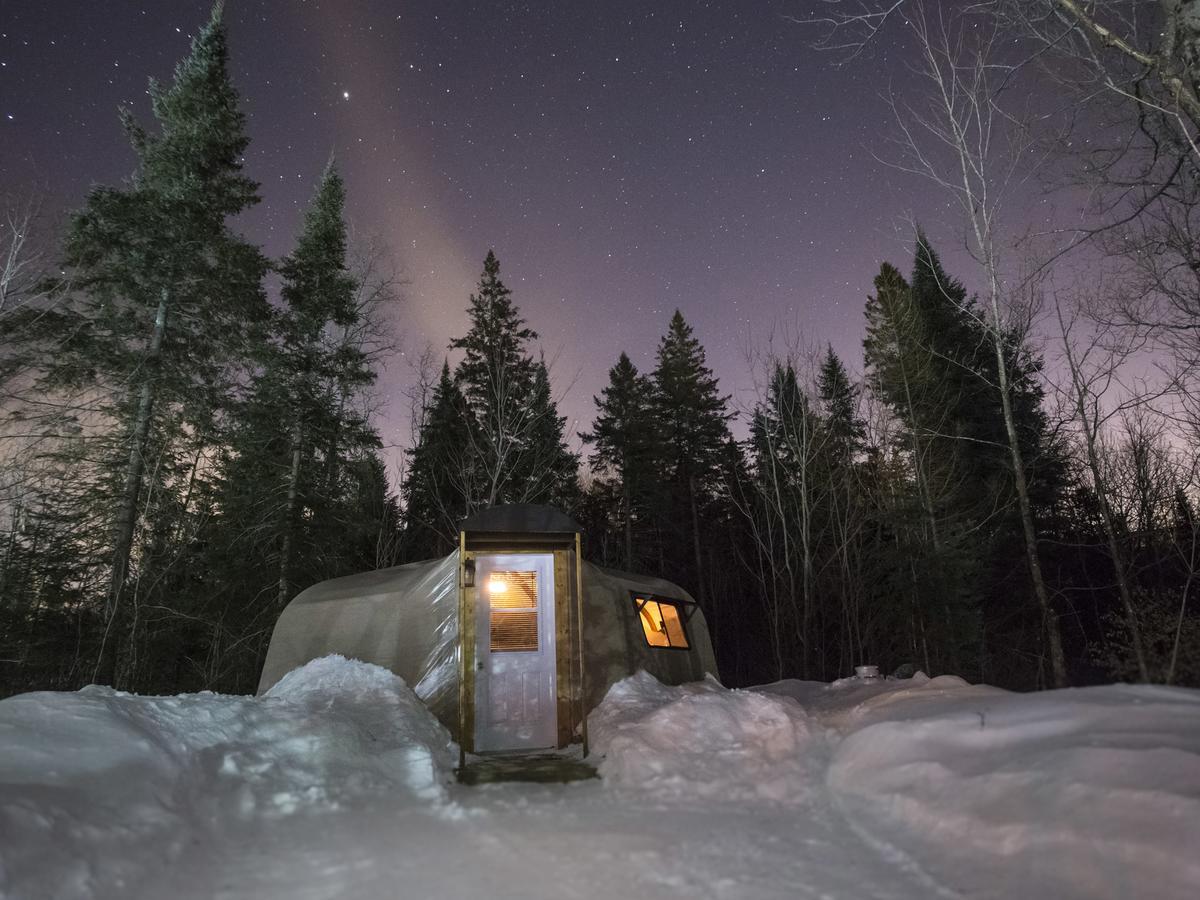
(506, 611)
(685, 609)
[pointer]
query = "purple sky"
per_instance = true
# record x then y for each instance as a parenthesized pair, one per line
(623, 158)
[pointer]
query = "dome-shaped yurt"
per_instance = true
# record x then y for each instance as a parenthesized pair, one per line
(511, 639)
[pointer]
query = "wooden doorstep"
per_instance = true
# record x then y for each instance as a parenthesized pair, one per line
(541, 768)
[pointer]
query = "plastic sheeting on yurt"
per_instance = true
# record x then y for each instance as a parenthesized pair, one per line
(406, 619)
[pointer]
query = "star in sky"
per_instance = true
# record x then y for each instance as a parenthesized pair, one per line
(623, 159)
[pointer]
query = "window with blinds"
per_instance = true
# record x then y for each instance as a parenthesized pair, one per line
(512, 597)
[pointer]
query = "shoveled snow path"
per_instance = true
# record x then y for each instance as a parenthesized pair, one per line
(706, 793)
(338, 785)
(580, 840)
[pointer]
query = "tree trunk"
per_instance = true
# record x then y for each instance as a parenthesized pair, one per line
(331, 457)
(1114, 551)
(1089, 423)
(289, 516)
(781, 510)
(805, 559)
(1187, 586)
(696, 540)
(10, 551)
(106, 662)
(1058, 663)
(628, 525)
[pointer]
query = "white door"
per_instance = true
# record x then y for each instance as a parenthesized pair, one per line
(515, 696)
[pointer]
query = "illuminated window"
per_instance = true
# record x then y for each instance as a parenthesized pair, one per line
(512, 597)
(663, 621)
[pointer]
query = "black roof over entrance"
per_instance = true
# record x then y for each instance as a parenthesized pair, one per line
(520, 517)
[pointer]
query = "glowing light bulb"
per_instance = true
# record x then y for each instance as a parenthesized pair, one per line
(496, 586)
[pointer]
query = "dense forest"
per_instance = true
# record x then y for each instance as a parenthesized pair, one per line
(189, 440)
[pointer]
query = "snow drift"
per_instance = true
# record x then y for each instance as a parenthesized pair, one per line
(1092, 792)
(1087, 793)
(94, 782)
(336, 784)
(702, 741)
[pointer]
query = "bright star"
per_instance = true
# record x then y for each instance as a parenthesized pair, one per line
(345, 95)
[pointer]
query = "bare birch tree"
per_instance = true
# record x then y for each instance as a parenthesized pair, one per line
(1096, 397)
(960, 136)
(24, 258)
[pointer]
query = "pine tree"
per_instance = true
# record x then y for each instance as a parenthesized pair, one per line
(372, 514)
(167, 296)
(914, 363)
(933, 359)
(845, 431)
(437, 486)
(552, 475)
(926, 356)
(278, 474)
(626, 435)
(518, 451)
(844, 513)
(47, 574)
(494, 347)
(318, 292)
(694, 421)
(301, 495)
(784, 428)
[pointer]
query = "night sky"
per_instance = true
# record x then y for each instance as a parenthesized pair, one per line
(623, 158)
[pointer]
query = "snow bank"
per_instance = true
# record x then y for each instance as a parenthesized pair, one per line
(364, 725)
(334, 785)
(1080, 793)
(98, 785)
(849, 703)
(701, 741)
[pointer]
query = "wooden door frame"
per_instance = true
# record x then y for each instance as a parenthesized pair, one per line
(569, 662)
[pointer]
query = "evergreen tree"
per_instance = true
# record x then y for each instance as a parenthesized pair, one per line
(437, 486)
(694, 427)
(846, 548)
(300, 489)
(281, 445)
(553, 471)
(785, 444)
(933, 360)
(494, 353)
(926, 356)
(915, 363)
(600, 514)
(518, 451)
(318, 293)
(784, 428)
(167, 297)
(845, 431)
(892, 338)
(49, 565)
(625, 435)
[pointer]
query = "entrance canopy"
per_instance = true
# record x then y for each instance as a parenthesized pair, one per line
(527, 518)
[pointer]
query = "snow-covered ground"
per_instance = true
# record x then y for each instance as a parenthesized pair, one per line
(339, 784)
